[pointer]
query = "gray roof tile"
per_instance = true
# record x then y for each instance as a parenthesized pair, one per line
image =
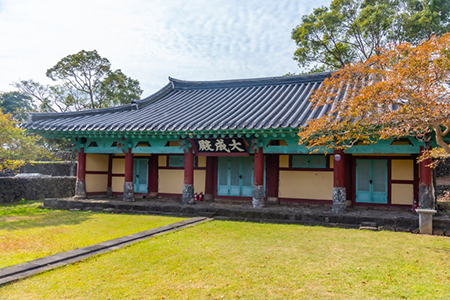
(275, 102)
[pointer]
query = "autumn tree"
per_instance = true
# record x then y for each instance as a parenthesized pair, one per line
(86, 81)
(16, 146)
(354, 30)
(403, 91)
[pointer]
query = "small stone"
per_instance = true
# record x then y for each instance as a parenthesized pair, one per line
(108, 210)
(74, 209)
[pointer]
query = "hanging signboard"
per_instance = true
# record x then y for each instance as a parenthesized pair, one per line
(220, 147)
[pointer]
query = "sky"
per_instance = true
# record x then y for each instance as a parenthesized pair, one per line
(150, 40)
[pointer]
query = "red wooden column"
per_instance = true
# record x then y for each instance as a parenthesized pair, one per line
(258, 178)
(272, 178)
(339, 190)
(128, 186)
(188, 187)
(209, 179)
(80, 186)
(153, 176)
(426, 190)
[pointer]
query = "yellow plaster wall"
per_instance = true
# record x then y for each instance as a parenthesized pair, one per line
(402, 193)
(96, 182)
(199, 181)
(162, 161)
(171, 181)
(117, 184)
(284, 161)
(118, 166)
(402, 169)
(97, 162)
(201, 161)
(306, 185)
(331, 161)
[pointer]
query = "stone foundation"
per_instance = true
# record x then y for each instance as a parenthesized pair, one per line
(128, 192)
(80, 189)
(188, 194)
(339, 200)
(258, 196)
(109, 192)
(426, 197)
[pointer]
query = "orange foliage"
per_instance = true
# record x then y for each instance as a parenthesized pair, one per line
(403, 91)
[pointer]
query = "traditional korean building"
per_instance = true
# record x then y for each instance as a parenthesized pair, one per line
(233, 139)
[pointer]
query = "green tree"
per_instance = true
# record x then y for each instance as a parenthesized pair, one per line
(116, 87)
(16, 104)
(354, 30)
(16, 146)
(86, 81)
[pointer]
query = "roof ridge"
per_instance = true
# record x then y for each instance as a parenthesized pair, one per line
(188, 84)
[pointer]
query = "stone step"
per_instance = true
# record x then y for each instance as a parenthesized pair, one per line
(368, 228)
(369, 224)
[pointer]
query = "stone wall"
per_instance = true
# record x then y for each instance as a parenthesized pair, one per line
(54, 169)
(13, 189)
(443, 168)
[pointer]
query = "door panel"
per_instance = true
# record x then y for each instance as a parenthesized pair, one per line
(235, 176)
(140, 175)
(222, 182)
(371, 181)
(247, 176)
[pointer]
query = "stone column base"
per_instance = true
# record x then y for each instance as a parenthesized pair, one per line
(128, 192)
(339, 200)
(208, 197)
(80, 190)
(109, 192)
(188, 194)
(258, 196)
(273, 201)
(426, 197)
(426, 220)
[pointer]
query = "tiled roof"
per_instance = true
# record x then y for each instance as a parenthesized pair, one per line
(263, 103)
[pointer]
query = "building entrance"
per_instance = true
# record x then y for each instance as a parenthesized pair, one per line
(235, 176)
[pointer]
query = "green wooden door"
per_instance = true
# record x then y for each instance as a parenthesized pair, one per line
(235, 176)
(371, 181)
(140, 175)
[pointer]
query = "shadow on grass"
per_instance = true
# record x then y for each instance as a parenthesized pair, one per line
(47, 218)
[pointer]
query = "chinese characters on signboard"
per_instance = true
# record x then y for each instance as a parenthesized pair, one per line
(220, 146)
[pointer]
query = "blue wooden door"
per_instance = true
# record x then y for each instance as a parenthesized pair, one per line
(371, 181)
(235, 176)
(140, 175)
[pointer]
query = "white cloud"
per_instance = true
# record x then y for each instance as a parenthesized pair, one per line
(152, 39)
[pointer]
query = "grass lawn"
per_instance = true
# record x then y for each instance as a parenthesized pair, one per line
(235, 260)
(27, 232)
